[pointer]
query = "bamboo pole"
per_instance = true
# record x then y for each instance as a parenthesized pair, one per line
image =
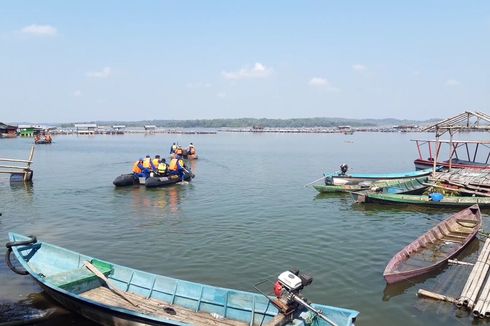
(475, 279)
(10, 172)
(31, 155)
(458, 262)
(475, 290)
(436, 296)
(12, 167)
(14, 160)
(478, 311)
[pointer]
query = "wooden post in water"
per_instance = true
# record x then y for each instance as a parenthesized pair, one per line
(27, 171)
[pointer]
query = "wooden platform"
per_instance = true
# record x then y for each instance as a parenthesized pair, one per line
(155, 308)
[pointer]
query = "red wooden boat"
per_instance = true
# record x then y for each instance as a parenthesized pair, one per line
(461, 154)
(433, 249)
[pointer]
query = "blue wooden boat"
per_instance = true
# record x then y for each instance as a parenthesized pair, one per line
(342, 178)
(134, 297)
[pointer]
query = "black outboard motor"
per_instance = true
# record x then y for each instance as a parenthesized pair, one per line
(343, 169)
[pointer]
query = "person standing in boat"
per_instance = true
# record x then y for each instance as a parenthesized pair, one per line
(191, 150)
(173, 148)
(138, 168)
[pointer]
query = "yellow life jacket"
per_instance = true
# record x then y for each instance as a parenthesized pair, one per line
(174, 147)
(156, 162)
(146, 163)
(162, 168)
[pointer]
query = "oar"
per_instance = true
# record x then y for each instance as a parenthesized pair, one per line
(94, 270)
(306, 185)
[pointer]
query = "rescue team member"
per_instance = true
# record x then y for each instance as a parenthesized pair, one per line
(177, 167)
(179, 151)
(138, 168)
(149, 165)
(173, 148)
(191, 150)
(156, 161)
(162, 167)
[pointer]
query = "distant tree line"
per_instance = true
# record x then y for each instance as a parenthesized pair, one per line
(263, 122)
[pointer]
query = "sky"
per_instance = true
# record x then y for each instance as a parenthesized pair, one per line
(67, 61)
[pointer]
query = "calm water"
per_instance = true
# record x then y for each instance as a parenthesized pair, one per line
(245, 217)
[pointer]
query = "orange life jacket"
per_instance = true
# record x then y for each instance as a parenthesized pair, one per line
(192, 150)
(136, 168)
(179, 151)
(174, 165)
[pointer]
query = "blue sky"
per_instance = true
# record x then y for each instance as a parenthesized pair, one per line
(115, 60)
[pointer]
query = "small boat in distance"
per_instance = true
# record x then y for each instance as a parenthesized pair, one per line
(111, 294)
(434, 248)
(342, 178)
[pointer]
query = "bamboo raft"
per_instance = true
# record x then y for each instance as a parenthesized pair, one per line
(468, 181)
(475, 295)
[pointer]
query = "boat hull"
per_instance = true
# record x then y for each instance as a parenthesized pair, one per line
(125, 180)
(354, 179)
(424, 164)
(62, 274)
(158, 182)
(449, 237)
(365, 197)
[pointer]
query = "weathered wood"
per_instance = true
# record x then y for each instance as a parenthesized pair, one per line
(279, 320)
(436, 296)
(155, 307)
(458, 262)
(94, 270)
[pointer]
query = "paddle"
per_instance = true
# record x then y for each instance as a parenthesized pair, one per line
(94, 270)
(306, 185)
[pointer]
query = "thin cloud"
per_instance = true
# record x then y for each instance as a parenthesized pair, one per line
(359, 68)
(221, 95)
(39, 30)
(104, 73)
(452, 83)
(257, 71)
(323, 83)
(199, 85)
(77, 93)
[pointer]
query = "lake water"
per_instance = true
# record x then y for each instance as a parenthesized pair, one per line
(245, 217)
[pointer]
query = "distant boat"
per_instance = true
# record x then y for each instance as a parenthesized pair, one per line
(425, 200)
(434, 248)
(342, 178)
(118, 295)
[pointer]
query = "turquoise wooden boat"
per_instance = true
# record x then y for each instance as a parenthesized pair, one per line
(356, 178)
(406, 186)
(386, 198)
(150, 299)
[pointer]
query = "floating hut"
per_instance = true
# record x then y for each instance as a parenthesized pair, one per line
(7, 131)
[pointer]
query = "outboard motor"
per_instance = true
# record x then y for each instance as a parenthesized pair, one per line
(287, 290)
(343, 169)
(288, 287)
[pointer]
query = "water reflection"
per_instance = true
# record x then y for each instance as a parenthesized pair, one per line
(161, 198)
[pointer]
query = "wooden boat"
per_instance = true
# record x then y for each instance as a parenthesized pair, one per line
(387, 198)
(355, 178)
(163, 181)
(433, 249)
(141, 298)
(406, 186)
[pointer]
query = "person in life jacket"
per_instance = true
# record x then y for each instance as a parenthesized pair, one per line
(162, 167)
(177, 167)
(179, 151)
(191, 150)
(155, 162)
(138, 168)
(173, 148)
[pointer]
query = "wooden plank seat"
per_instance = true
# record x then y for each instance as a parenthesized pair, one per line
(71, 278)
(155, 307)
